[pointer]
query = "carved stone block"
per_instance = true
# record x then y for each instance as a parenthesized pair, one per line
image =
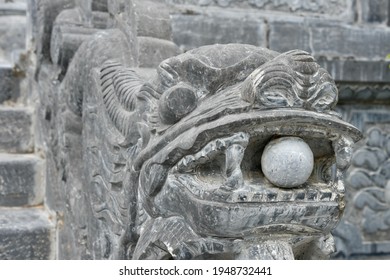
(308, 33)
(289, 33)
(67, 36)
(375, 11)
(153, 51)
(9, 83)
(41, 16)
(165, 154)
(173, 165)
(12, 37)
(364, 229)
(191, 31)
(153, 20)
(15, 130)
(21, 180)
(25, 234)
(340, 8)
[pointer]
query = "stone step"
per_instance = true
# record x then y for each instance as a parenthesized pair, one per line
(21, 180)
(26, 234)
(9, 83)
(13, 8)
(12, 37)
(16, 130)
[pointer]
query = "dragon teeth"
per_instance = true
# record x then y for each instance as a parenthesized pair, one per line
(304, 195)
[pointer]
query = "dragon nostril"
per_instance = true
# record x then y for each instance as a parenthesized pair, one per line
(287, 162)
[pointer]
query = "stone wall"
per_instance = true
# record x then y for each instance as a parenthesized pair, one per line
(335, 8)
(325, 28)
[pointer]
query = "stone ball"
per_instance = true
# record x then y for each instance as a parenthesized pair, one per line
(287, 162)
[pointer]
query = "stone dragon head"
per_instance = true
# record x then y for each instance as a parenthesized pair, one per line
(233, 151)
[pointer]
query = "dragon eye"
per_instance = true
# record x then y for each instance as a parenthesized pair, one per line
(176, 103)
(287, 162)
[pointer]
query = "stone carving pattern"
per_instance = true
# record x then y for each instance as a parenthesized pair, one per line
(372, 177)
(358, 234)
(368, 218)
(318, 6)
(173, 162)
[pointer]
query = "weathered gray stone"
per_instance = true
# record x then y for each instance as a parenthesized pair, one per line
(350, 41)
(375, 11)
(363, 231)
(9, 83)
(13, 8)
(67, 35)
(40, 17)
(357, 71)
(12, 37)
(153, 20)
(342, 9)
(15, 130)
(289, 33)
(46, 137)
(176, 160)
(317, 6)
(152, 51)
(74, 26)
(167, 163)
(376, 93)
(26, 233)
(21, 180)
(93, 5)
(342, 40)
(191, 31)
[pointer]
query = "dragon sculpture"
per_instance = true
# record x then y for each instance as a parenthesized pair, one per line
(174, 164)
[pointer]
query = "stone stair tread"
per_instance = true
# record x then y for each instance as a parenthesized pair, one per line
(11, 8)
(25, 233)
(16, 129)
(21, 180)
(12, 35)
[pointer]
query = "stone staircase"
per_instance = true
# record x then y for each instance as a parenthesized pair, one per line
(26, 229)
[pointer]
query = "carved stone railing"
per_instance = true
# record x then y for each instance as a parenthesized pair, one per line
(226, 151)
